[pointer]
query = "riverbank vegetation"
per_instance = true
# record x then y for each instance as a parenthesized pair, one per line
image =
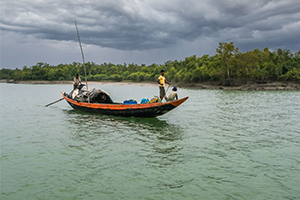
(228, 65)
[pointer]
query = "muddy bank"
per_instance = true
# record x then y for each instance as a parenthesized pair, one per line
(246, 86)
(71, 82)
(35, 82)
(214, 85)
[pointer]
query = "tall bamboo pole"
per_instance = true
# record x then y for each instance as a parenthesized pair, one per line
(87, 89)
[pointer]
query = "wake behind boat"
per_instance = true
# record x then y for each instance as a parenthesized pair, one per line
(101, 103)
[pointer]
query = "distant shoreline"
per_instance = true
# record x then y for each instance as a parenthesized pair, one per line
(205, 85)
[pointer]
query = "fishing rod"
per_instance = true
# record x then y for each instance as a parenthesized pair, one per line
(169, 86)
(83, 62)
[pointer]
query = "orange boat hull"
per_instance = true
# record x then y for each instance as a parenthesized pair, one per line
(126, 110)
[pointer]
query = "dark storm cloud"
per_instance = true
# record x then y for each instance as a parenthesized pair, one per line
(152, 24)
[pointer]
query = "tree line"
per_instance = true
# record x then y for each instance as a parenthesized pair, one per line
(228, 64)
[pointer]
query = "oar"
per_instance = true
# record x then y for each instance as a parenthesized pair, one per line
(54, 102)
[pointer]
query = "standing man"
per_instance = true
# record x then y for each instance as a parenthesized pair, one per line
(77, 81)
(161, 81)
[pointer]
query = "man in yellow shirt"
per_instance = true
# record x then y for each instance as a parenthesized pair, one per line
(161, 81)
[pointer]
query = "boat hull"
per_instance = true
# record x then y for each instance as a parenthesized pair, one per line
(126, 110)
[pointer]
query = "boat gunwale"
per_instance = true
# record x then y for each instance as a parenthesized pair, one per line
(120, 106)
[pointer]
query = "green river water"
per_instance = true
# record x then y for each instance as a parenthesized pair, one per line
(217, 145)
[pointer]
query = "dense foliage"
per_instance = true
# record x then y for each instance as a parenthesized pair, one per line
(227, 64)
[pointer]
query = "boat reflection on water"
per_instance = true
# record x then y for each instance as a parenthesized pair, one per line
(153, 139)
(104, 124)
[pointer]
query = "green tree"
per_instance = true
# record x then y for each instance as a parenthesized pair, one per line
(226, 52)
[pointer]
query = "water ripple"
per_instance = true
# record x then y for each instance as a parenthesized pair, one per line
(217, 145)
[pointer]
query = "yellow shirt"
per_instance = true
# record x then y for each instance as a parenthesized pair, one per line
(162, 81)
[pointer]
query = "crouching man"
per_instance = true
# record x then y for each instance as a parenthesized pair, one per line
(173, 94)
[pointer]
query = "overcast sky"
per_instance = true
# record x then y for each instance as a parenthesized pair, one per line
(141, 31)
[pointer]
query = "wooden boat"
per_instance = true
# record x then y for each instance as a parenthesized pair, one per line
(99, 101)
(124, 110)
